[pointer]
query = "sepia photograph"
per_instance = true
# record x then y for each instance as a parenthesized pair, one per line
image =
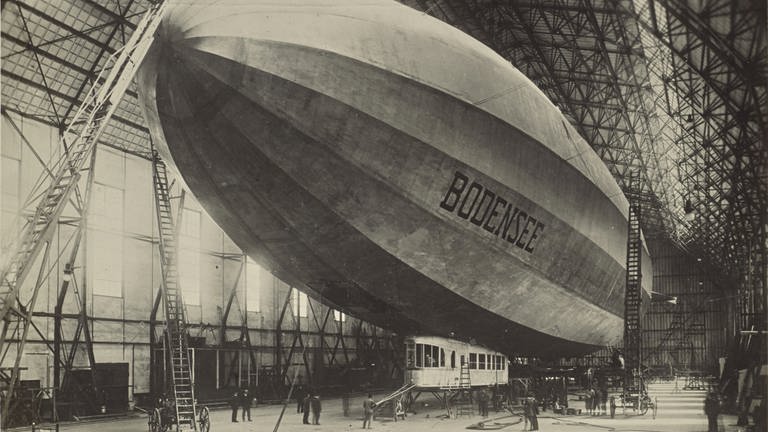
(400, 215)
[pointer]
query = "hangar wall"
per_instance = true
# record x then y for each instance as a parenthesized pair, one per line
(693, 333)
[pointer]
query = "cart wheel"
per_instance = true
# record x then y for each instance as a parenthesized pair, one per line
(205, 420)
(155, 420)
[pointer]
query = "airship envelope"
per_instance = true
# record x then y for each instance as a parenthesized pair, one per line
(393, 166)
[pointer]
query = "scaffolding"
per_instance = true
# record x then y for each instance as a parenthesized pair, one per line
(33, 248)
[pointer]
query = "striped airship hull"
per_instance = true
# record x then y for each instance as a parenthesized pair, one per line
(393, 166)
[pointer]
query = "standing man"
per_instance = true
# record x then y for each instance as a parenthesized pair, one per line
(245, 403)
(368, 406)
(316, 407)
(712, 410)
(598, 402)
(526, 409)
(234, 402)
(305, 406)
(603, 399)
(299, 394)
(482, 401)
(613, 406)
(533, 412)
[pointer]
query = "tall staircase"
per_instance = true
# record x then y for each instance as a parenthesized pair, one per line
(177, 344)
(632, 304)
(78, 141)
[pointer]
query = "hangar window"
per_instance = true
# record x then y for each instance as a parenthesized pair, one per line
(481, 361)
(442, 358)
(299, 303)
(253, 277)
(339, 316)
(472, 361)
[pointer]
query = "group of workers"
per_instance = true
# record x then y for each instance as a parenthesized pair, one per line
(308, 402)
(241, 399)
(531, 413)
(595, 401)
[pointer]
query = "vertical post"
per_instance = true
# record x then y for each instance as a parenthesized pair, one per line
(279, 336)
(153, 379)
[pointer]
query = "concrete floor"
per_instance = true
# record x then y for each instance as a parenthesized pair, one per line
(680, 411)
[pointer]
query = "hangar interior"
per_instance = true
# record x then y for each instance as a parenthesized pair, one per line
(671, 95)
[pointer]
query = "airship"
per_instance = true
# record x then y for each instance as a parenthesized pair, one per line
(393, 166)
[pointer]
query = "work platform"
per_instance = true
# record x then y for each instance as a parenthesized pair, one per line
(679, 411)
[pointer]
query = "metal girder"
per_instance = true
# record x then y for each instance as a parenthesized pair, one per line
(69, 29)
(87, 74)
(27, 45)
(230, 299)
(69, 99)
(120, 18)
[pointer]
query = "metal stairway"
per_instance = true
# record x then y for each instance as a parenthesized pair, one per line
(391, 400)
(396, 394)
(78, 141)
(632, 304)
(177, 348)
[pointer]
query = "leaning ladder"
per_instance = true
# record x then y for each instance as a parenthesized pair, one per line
(175, 330)
(464, 402)
(632, 303)
(78, 141)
